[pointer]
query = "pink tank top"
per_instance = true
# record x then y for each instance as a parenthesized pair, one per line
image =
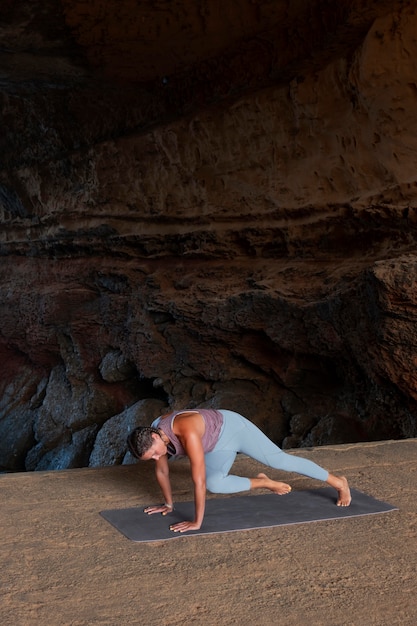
(213, 420)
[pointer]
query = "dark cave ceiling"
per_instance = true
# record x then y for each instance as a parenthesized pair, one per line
(244, 43)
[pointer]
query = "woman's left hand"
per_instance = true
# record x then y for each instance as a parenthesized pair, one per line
(161, 508)
(182, 527)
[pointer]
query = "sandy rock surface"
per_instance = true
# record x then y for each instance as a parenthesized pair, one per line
(62, 564)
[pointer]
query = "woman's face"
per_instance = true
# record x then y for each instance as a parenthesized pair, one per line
(157, 449)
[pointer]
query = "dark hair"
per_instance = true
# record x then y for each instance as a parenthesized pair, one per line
(140, 440)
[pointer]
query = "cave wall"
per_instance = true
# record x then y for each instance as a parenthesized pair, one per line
(250, 247)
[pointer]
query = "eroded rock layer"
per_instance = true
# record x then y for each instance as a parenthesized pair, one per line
(228, 223)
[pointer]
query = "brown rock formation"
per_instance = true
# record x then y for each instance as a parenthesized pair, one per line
(206, 207)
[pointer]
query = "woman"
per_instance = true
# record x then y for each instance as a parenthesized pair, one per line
(211, 439)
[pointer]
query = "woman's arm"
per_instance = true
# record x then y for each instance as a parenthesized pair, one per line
(162, 476)
(190, 430)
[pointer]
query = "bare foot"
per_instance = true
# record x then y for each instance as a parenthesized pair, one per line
(344, 493)
(262, 481)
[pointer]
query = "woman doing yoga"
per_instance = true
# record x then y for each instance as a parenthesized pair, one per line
(211, 439)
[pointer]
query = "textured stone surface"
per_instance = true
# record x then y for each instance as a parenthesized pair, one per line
(230, 223)
(359, 571)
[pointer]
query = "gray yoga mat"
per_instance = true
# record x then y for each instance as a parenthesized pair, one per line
(244, 512)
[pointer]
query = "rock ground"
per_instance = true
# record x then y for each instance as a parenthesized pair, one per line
(62, 564)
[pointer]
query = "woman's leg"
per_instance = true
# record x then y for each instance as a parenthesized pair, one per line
(243, 436)
(220, 460)
(240, 435)
(218, 479)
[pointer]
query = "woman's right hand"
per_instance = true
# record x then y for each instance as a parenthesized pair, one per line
(164, 509)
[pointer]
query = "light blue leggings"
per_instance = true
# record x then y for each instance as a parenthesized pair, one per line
(240, 435)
